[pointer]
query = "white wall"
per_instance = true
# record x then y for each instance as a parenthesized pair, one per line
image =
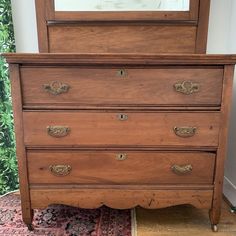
(222, 38)
(232, 33)
(25, 28)
(219, 26)
(230, 170)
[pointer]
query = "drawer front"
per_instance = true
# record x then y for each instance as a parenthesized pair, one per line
(122, 86)
(121, 129)
(75, 167)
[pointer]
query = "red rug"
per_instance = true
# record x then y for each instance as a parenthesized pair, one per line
(58, 220)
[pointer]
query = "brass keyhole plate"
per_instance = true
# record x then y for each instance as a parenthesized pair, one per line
(121, 156)
(121, 73)
(122, 117)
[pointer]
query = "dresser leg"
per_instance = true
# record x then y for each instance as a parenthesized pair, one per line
(214, 218)
(214, 228)
(28, 218)
(30, 227)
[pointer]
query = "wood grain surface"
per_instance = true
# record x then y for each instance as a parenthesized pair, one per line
(139, 86)
(121, 39)
(94, 167)
(215, 211)
(27, 213)
(92, 135)
(120, 198)
(106, 129)
(183, 221)
(121, 59)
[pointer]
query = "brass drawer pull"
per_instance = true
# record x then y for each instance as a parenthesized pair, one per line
(56, 88)
(121, 156)
(122, 117)
(121, 73)
(185, 132)
(58, 131)
(187, 87)
(182, 170)
(60, 170)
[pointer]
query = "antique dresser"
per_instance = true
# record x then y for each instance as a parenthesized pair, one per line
(111, 120)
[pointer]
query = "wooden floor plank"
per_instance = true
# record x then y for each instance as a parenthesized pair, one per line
(183, 221)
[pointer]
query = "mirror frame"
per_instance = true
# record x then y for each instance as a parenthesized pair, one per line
(51, 14)
(198, 15)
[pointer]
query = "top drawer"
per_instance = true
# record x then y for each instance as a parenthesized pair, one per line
(166, 86)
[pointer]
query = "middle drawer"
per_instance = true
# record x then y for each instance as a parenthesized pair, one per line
(81, 128)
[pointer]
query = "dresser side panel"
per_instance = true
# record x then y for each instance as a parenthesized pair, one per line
(20, 147)
(223, 139)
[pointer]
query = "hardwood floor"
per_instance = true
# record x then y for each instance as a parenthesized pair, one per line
(183, 221)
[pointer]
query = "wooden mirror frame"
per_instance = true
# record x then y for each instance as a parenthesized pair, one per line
(121, 6)
(128, 15)
(198, 16)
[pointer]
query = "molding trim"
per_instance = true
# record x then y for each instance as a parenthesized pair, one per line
(230, 191)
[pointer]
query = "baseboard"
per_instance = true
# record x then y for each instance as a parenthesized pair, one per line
(230, 191)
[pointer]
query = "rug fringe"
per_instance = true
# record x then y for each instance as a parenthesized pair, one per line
(134, 223)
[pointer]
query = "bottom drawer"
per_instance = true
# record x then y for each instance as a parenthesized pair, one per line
(123, 168)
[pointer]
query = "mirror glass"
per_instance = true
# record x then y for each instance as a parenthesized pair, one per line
(122, 5)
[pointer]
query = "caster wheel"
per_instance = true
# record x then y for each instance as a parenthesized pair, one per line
(214, 228)
(30, 227)
(233, 210)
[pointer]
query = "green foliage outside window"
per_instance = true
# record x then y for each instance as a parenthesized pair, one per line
(8, 164)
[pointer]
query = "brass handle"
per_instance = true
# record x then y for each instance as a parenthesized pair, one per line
(121, 156)
(60, 170)
(58, 131)
(123, 117)
(182, 170)
(185, 132)
(187, 87)
(121, 73)
(56, 88)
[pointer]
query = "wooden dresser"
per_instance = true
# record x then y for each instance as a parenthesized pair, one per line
(121, 130)
(116, 122)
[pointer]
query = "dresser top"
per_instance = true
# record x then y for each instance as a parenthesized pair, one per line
(128, 59)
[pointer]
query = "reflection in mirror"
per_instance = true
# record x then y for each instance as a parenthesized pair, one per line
(122, 5)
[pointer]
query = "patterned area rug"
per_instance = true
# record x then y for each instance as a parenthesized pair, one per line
(58, 220)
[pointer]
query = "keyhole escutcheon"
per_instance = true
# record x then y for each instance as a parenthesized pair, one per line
(121, 73)
(122, 117)
(121, 156)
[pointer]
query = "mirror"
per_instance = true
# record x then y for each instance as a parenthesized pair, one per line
(122, 5)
